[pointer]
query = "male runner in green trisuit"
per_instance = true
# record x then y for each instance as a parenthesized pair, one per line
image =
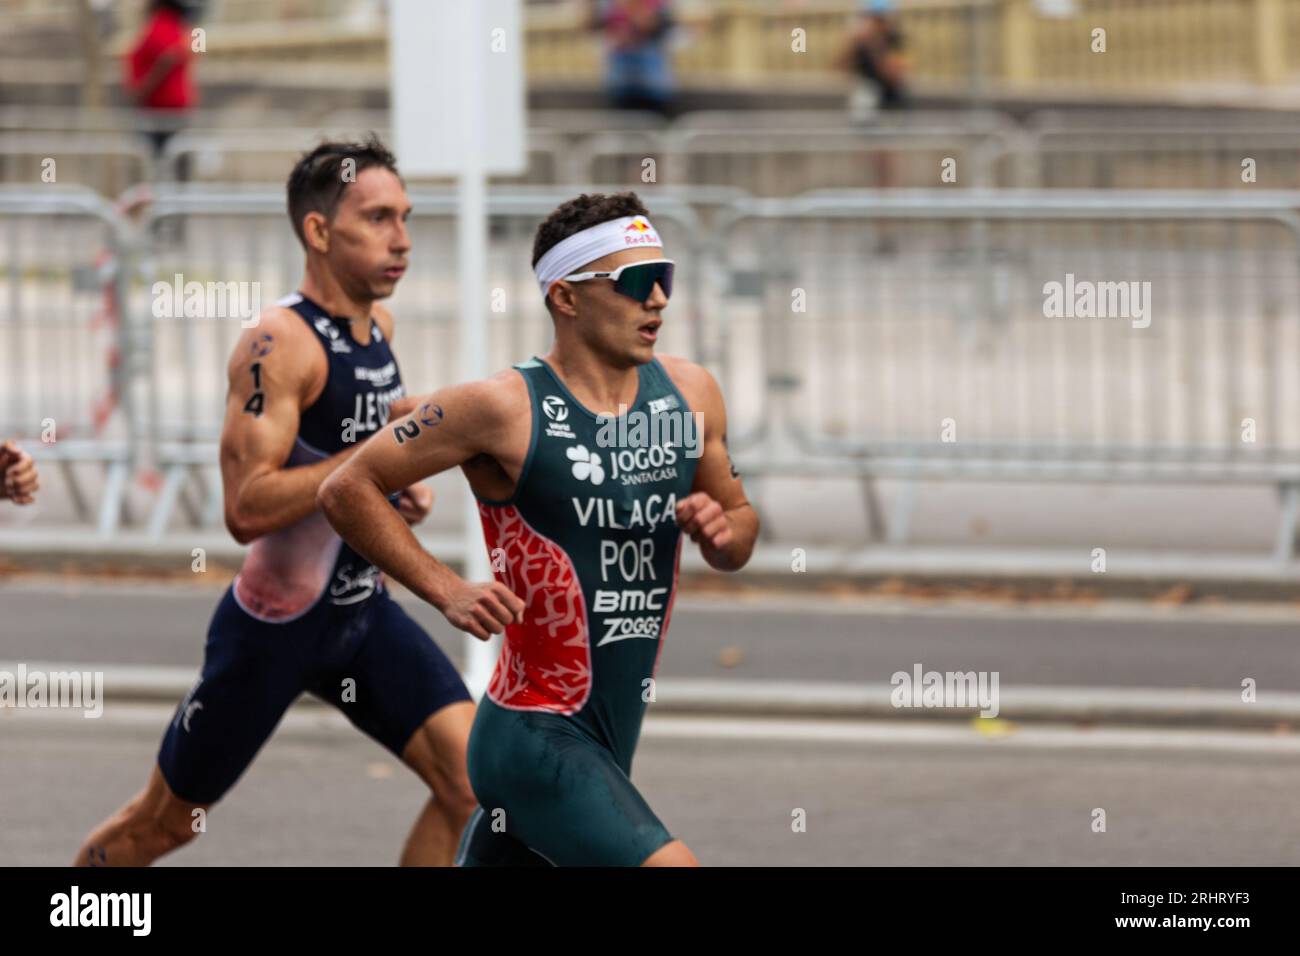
(584, 522)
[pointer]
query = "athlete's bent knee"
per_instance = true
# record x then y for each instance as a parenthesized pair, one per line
(457, 801)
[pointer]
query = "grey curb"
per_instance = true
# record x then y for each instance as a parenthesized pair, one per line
(826, 699)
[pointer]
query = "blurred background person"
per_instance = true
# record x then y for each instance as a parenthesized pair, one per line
(160, 71)
(874, 54)
(638, 72)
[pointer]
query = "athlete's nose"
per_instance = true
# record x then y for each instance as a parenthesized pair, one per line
(402, 243)
(657, 299)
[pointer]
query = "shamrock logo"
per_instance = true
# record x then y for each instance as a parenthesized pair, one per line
(586, 464)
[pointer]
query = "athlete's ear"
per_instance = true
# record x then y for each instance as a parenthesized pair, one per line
(316, 230)
(563, 299)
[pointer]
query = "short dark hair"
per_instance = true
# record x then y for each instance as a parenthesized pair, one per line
(582, 213)
(316, 183)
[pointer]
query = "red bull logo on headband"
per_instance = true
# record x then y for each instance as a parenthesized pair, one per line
(639, 233)
(612, 235)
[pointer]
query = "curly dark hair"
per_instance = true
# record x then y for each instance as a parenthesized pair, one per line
(316, 183)
(582, 213)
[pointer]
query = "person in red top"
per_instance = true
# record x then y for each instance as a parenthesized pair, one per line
(159, 70)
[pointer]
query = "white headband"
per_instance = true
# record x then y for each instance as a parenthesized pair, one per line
(566, 257)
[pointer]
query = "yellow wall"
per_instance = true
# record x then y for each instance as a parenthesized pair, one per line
(1151, 44)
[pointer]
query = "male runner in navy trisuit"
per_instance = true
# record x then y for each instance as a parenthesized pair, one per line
(588, 470)
(309, 383)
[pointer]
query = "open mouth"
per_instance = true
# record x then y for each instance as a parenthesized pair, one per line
(650, 331)
(394, 272)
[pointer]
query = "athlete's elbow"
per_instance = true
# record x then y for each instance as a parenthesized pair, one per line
(329, 496)
(333, 495)
(241, 526)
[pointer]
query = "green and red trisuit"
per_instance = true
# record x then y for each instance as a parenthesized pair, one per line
(589, 541)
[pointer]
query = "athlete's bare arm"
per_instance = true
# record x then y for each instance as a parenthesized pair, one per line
(474, 425)
(716, 514)
(275, 371)
(416, 501)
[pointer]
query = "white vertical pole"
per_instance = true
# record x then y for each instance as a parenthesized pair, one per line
(443, 90)
(471, 234)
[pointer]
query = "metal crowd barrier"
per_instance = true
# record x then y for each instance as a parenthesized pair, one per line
(908, 338)
(1140, 118)
(64, 341)
(77, 119)
(788, 162)
(1138, 148)
(225, 156)
(857, 334)
(1158, 158)
(109, 163)
(108, 150)
(787, 152)
(762, 153)
(109, 119)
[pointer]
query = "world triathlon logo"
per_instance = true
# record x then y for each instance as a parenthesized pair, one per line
(555, 408)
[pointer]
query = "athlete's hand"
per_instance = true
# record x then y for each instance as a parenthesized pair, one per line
(415, 503)
(18, 478)
(482, 609)
(702, 518)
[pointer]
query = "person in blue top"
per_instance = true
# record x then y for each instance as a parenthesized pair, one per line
(638, 70)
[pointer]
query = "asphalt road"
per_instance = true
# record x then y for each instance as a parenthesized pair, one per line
(883, 792)
(879, 794)
(738, 638)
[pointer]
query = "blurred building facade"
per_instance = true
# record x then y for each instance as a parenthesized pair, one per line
(956, 48)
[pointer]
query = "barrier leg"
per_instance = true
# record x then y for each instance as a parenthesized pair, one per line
(875, 515)
(74, 490)
(162, 511)
(1284, 546)
(110, 508)
(900, 527)
(186, 501)
(214, 506)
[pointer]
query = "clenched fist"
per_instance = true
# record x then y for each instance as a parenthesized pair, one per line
(482, 609)
(702, 518)
(18, 478)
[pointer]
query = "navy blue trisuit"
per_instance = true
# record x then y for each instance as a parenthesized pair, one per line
(329, 626)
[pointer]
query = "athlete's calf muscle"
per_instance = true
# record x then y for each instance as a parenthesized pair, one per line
(151, 824)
